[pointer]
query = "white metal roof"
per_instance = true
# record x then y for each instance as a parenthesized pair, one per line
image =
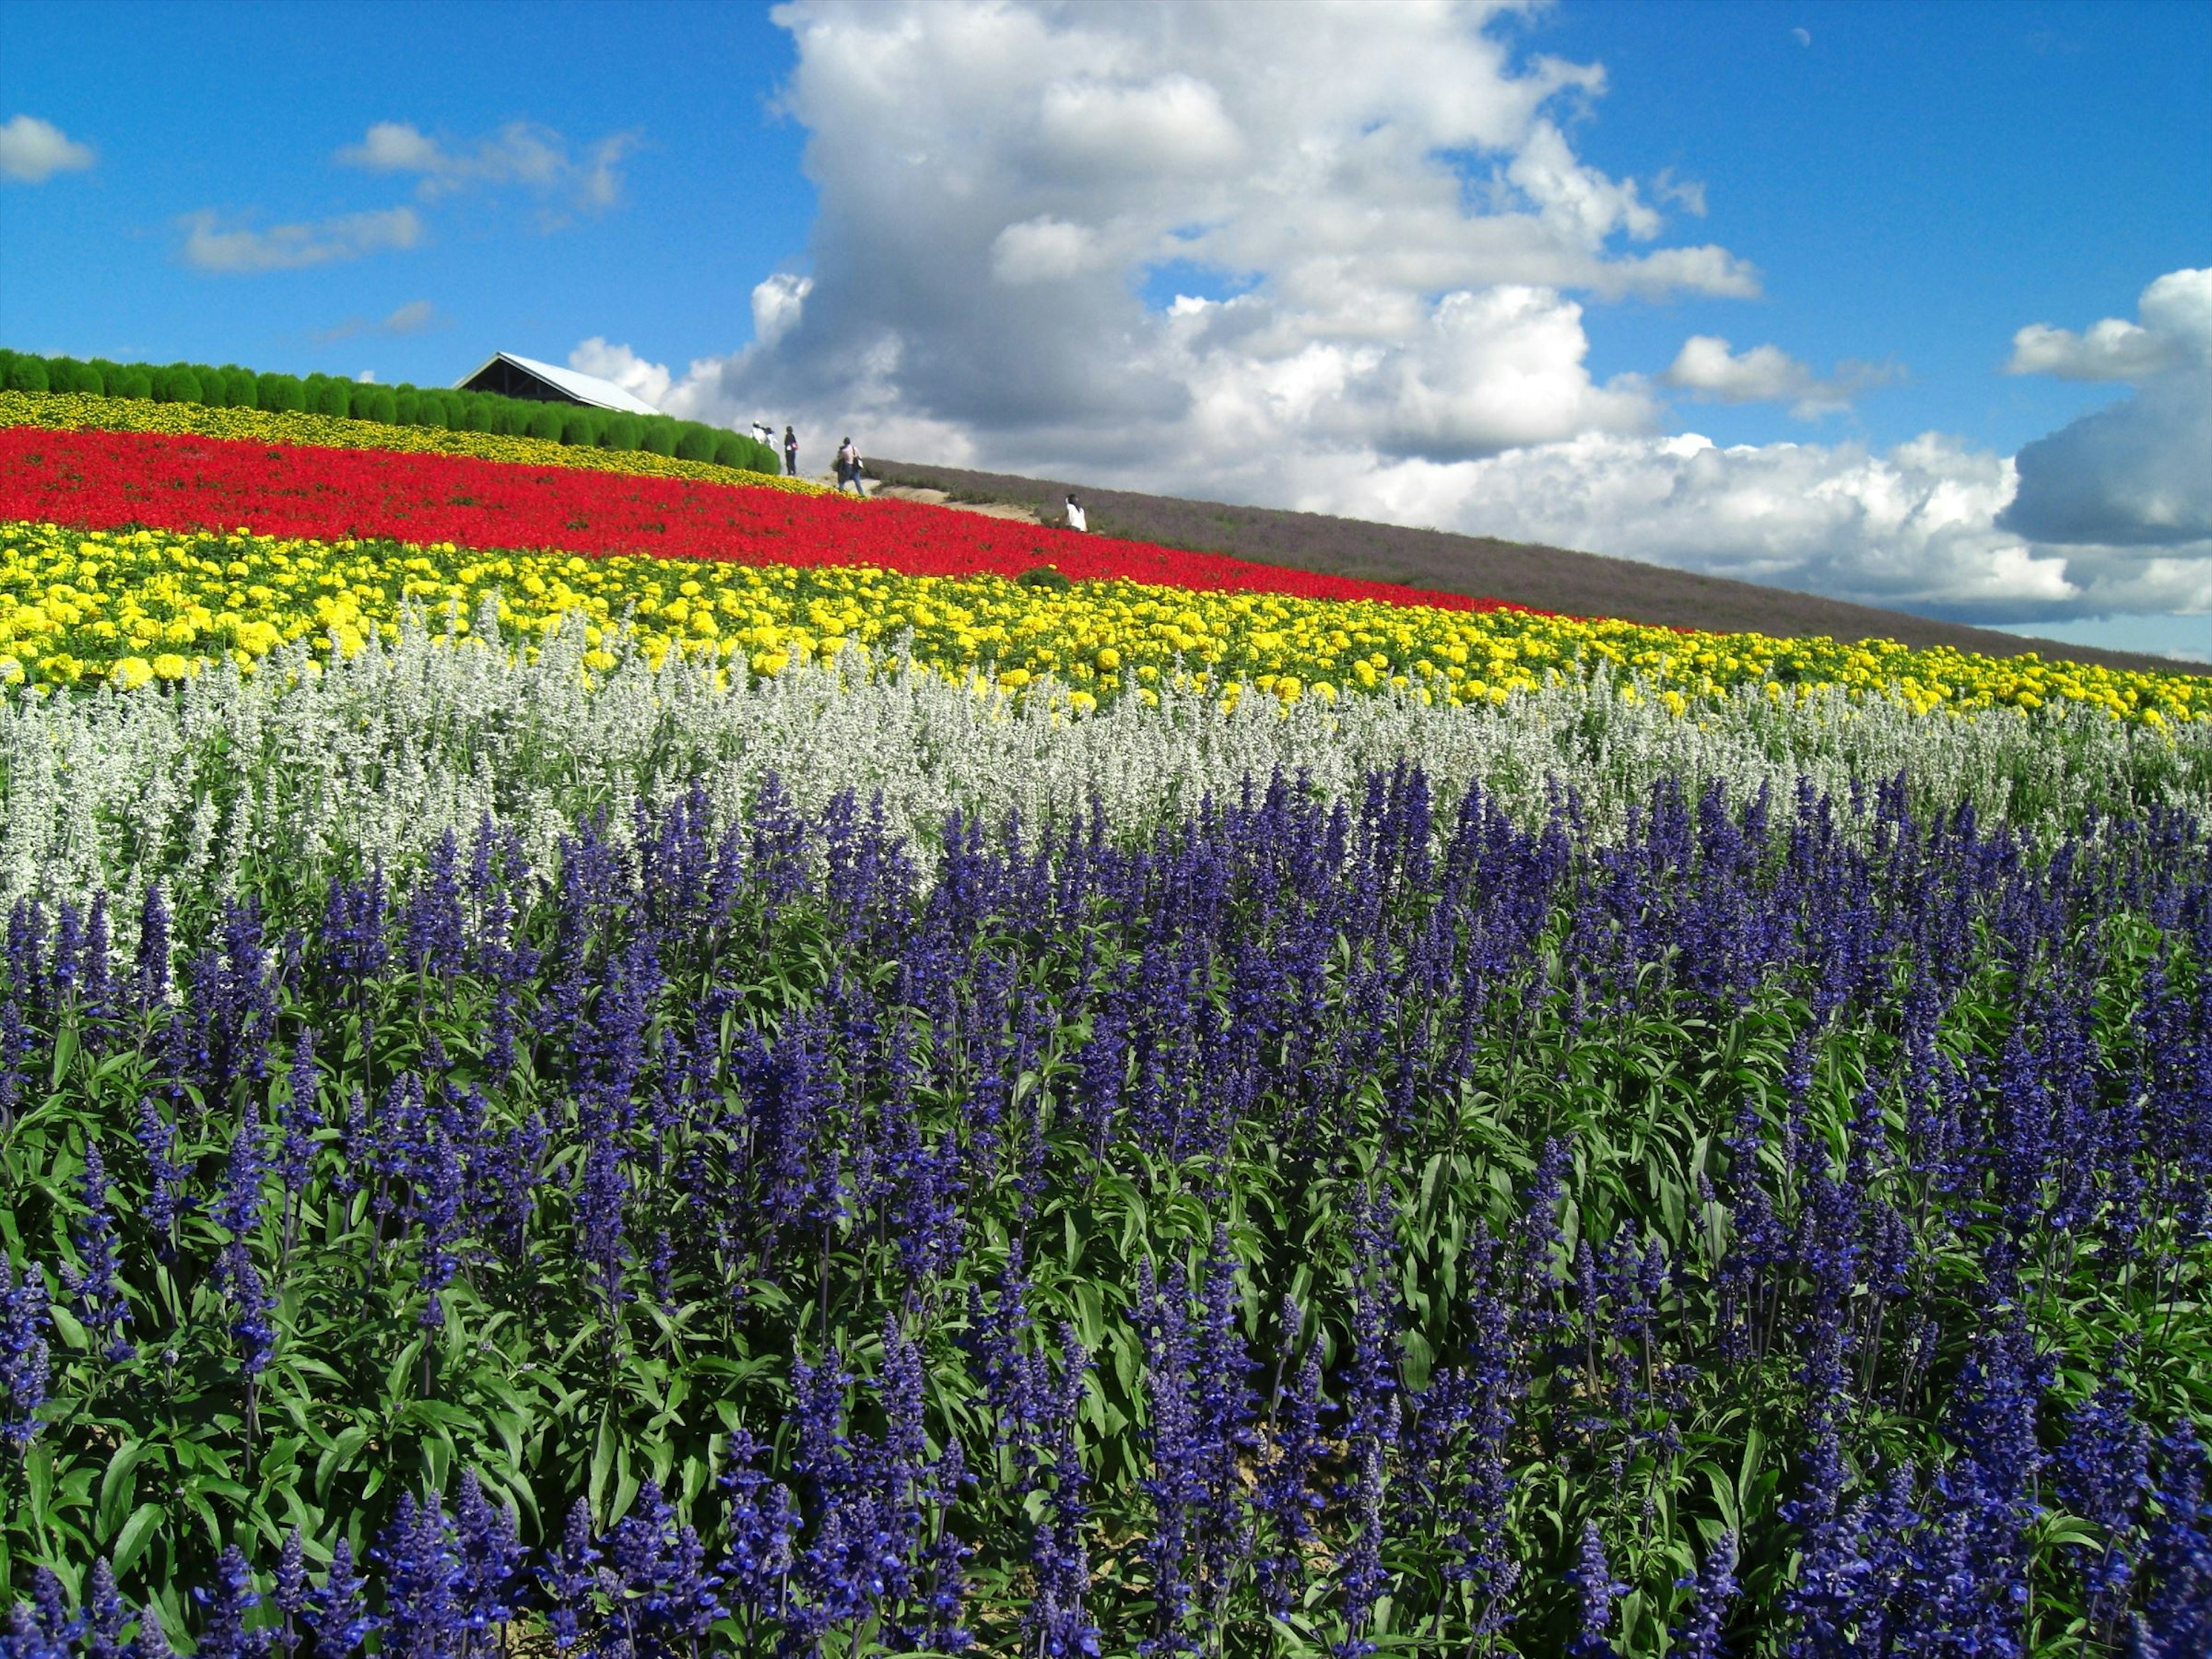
(584, 388)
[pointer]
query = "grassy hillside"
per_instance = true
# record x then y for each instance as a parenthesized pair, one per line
(1548, 577)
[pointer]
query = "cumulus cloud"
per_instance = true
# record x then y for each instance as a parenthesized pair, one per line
(1706, 368)
(1398, 209)
(619, 364)
(521, 153)
(1342, 266)
(32, 151)
(2138, 473)
(232, 247)
(778, 302)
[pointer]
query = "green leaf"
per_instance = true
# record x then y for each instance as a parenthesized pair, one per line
(123, 1553)
(119, 1485)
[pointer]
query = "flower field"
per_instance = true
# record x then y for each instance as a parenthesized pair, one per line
(854, 1103)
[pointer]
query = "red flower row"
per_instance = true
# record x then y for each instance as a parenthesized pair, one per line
(108, 480)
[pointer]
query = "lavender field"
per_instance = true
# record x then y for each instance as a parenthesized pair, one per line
(1398, 1216)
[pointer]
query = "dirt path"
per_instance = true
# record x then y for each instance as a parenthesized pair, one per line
(939, 498)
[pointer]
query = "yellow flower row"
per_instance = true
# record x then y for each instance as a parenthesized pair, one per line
(134, 606)
(68, 411)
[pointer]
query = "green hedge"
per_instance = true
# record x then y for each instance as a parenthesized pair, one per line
(235, 387)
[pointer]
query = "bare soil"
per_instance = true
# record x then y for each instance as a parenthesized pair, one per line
(1524, 573)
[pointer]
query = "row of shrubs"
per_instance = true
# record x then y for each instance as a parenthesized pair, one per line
(231, 386)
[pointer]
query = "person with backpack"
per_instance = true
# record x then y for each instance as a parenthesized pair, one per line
(790, 453)
(849, 469)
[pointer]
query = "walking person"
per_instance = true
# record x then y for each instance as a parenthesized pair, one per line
(1075, 520)
(849, 469)
(790, 453)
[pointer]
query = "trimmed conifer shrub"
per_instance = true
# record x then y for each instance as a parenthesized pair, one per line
(621, 431)
(659, 436)
(695, 443)
(542, 421)
(26, 373)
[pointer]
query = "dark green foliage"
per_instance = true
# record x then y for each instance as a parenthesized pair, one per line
(581, 427)
(480, 412)
(1044, 575)
(67, 374)
(659, 436)
(407, 406)
(734, 449)
(327, 395)
(375, 402)
(543, 422)
(27, 374)
(239, 388)
(622, 431)
(279, 391)
(695, 443)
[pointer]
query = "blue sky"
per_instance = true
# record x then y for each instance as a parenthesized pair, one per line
(962, 227)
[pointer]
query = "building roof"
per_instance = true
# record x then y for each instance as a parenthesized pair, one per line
(584, 388)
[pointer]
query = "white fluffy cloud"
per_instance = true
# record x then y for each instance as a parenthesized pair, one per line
(520, 153)
(2138, 473)
(32, 151)
(1393, 199)
(619, 364)
(1340, 266)
(231, 247)
(1706, 368)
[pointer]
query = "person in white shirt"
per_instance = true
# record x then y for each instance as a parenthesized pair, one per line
(1075, 520)
(848, 468)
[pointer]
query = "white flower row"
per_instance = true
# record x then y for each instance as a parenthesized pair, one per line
(227, 781)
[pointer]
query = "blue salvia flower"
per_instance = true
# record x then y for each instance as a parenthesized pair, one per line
(1698, 1635)
(1287, 1496)
(24, 1358)
(152, 976)
(224, 1632)
(2176, 1620)
(57, 1624)
(2103, 1476)
(441, 1216)
(1176, 1482)
(489, 1586)
(105, 1614)
(1596, 1591)
(253, 1308)
(340, 1616)
(237, 1208)
(1058, 1616)
(569, 1580)
(1372, 1411)
(761, 1526)
(294, 1594)
(1227, 1431)
(100, 1301)
(432, 927)
(15, 1044)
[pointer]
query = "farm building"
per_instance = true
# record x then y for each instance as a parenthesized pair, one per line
(512, 376)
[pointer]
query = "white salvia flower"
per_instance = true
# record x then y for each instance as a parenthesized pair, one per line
(325, 764)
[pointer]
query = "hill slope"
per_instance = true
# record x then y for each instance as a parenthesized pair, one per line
(1547, 578)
